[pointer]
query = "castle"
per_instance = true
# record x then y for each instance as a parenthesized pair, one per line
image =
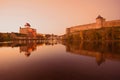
(30, 32)
(100, 22)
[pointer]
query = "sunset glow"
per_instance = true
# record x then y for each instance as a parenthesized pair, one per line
(54, 16)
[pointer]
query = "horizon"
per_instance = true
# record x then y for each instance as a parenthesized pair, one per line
(53, 17)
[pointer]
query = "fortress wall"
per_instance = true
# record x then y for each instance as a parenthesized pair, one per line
(83, 27)
(114, 23)
(28, 31)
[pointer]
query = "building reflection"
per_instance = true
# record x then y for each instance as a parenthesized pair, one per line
(28, 47)
(99, 50)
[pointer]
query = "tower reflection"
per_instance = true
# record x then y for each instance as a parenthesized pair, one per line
(99, 50)
(28, 47)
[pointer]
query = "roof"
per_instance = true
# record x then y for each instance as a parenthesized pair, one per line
(99, 17)
(27, 24)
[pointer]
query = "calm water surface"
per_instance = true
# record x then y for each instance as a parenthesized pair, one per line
(55, 61)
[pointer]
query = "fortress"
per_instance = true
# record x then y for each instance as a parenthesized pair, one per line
(30, 32)
(100, 23)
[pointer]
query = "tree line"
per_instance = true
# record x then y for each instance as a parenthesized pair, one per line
(95, 34)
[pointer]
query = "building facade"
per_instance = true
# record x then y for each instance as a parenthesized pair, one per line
(100, 22)
(30, 32)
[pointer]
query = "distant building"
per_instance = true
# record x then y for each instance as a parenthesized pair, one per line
(100, 22)
(30, 32)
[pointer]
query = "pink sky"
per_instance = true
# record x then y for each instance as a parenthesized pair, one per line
(54, 16)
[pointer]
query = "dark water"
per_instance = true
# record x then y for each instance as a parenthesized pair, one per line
(60, 61)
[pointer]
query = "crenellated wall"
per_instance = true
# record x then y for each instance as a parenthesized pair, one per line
(83, 27)
(114, 23)
(100, 22)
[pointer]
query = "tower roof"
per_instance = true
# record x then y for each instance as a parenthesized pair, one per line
(99, 17)
(27, 24)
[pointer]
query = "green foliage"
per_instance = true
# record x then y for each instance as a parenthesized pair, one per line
(96, 46)
(40, 37)
(96, 34)
(10, 36)
(4, 37)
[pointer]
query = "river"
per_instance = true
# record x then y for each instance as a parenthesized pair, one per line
(60, 61)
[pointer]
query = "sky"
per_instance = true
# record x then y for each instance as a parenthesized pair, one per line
(54, 16)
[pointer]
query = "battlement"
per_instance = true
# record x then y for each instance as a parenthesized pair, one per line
(100, 22)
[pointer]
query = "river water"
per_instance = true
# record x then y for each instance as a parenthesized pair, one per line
(60, 61)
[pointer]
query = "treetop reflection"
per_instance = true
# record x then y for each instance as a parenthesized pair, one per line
(27, 47)
(100, 50)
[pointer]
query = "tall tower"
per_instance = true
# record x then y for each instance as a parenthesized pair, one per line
(100, 22)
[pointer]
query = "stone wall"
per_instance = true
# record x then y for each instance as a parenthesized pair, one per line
(23, 31)
(83, 27)
(114, 23)
(100, 22)
(29, 31)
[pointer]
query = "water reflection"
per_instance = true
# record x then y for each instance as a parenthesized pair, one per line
(100, 50)
(49, 60)
(26, 47)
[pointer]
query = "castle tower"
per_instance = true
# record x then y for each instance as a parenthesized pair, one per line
(31, 32)
(27, 25)
(67, 30)
(100, 22)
